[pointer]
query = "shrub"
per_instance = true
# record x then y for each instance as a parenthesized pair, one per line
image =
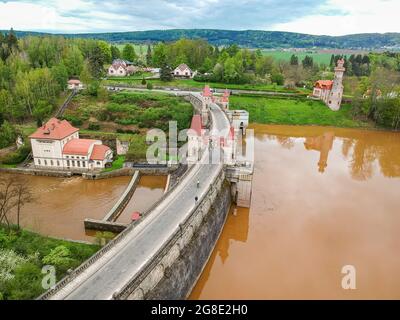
(60, 257)
(17, 157)
(93, 126)
(149, 86)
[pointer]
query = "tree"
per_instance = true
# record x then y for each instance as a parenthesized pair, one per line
(308, 62)
(41, 111)
(115, 53)
(294, 60)
(166, 73)
(159, 55)
(73, 61)
(96, 62)
(60, 75)
(23, 195)
(128, 53)
(149, 56)
(7, 134)
(105, 50)
(14, 193)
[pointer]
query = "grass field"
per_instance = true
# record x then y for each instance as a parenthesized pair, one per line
(140, 49)
(320, 58)
(294, 112)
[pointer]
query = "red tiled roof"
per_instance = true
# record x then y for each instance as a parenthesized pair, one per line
(79, 147)
(207, 92)
(99, 152)
(183, 67)
(54, 129)
(74, 81)
(197, 124)
(324, 84)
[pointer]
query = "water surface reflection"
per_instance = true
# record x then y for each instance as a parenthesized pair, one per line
(322, 198)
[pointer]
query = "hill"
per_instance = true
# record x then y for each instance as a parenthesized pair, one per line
(249, 38)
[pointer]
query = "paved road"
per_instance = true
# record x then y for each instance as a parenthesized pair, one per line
(115, 268)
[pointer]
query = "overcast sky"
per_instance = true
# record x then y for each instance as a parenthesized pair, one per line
(330, 17)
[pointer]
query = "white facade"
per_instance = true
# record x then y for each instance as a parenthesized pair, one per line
(57, 146)
(119, 71)
(183, 71)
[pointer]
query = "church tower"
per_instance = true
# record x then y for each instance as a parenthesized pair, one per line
(336, 94)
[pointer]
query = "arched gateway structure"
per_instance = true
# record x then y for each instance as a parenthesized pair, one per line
(163, 254)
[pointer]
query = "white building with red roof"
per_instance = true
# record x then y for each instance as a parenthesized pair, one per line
(75, 84)
(56, 145)
(121, 68)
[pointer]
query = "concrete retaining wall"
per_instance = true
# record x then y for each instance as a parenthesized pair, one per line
(37, 172)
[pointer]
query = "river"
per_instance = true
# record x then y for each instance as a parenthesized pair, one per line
(61, 205)
(323, 198)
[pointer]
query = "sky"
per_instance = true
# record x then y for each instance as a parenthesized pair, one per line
(328, 17)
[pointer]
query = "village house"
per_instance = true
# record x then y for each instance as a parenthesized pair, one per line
(183, 71)
(75, 84)
(121, 68)
(331, 91)
(56, 145)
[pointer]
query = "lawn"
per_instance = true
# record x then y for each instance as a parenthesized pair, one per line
(318, 57)
(294, 112)
(23, 255)
(118, 163)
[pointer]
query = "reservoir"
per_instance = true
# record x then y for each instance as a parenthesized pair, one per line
(62, 204)
(323, 198)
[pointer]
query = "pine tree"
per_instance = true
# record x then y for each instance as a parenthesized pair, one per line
(294, 60)
(166, 73)
(149, 56)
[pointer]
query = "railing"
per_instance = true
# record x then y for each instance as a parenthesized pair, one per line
(62, 109)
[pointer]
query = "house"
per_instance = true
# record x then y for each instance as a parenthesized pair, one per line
(121, 68)
(75, 84)
(183, 71)
(331, 91)
(56, 145)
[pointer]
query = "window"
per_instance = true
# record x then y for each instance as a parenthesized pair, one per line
(58, 163)
(67, 163)
(39, 162)
(45, 162)
(98, 163)
(73, 163)
(79, 164)
(84, 164)
(52, 163)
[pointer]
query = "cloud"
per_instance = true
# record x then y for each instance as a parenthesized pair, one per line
(310, 16)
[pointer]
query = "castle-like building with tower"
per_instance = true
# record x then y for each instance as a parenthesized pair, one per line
(331, 91)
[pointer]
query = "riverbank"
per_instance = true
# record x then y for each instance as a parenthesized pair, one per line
(23, 255)
(296, 112)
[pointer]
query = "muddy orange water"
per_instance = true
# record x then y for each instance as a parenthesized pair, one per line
(149, 190)
(61, 205)
(323, 198)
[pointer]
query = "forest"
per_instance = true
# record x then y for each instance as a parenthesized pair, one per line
(247, 38)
